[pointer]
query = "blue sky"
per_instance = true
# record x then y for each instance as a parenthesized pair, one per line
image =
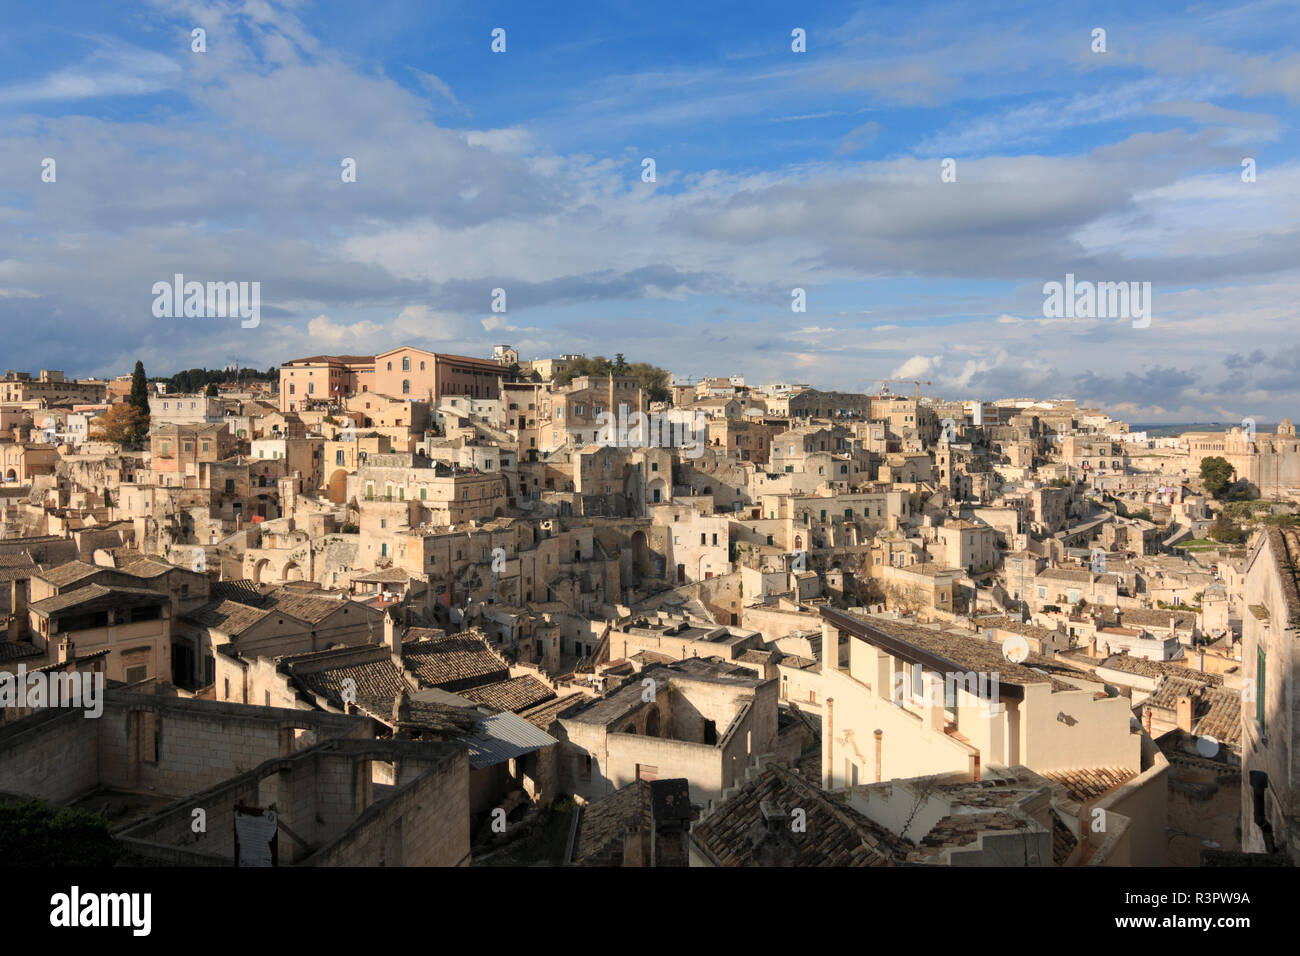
(775, 170)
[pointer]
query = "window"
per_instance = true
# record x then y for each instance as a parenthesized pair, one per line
(1261, 684)
(406, 363)
(136, 674)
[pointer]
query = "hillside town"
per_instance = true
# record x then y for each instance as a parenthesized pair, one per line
(427, 609)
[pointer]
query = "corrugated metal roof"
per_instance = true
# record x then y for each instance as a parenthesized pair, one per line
(503, 737)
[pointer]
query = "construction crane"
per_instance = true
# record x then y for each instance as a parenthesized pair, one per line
(903, 381)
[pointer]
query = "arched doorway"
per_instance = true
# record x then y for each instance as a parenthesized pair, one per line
(652, 723)
(259, 570)
(640, 555)
(338, 486)
(291, 572)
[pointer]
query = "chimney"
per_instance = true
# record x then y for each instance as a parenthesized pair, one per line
(880, 738)
(774, 818)
(67, 651)
(401, 709)
(1185, 713)
(1146, 716)
(18, 594)
(391, 637)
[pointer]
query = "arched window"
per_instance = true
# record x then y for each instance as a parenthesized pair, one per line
(406, 363)
(406, 386)
(390, 366)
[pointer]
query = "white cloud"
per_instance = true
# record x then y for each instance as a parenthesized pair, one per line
(916, 366)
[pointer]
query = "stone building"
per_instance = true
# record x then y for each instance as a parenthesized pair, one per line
(705, 720)
(1270, 796)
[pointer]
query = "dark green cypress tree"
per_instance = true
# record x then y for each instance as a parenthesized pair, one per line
(139, 397)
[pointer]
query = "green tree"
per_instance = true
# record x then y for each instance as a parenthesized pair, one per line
(35, 833)
(1225, 530)
(1216, 474)
(651, 378)
(139, 397)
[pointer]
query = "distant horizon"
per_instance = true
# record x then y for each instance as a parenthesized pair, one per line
(1184, 425)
